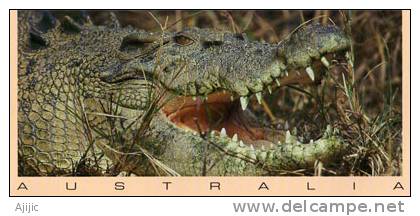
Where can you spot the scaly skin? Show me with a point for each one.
(84, 91)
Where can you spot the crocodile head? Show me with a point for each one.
(211, 76)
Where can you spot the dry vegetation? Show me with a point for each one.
(363, 101)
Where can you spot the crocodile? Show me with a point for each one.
(102, 99)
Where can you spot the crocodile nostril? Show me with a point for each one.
(241, 36)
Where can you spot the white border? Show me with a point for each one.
(186, 206)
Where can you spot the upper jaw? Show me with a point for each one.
(293, 61)
(251, 73)
(286, 76)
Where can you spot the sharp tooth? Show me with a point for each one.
(269, 89)
(325, 62)
(241, 144)
(252, 147)
(235, 138)
(212, 133)
(206, 98)
(310, 73)
(286, 72)
(286, 125)
(288, 137)
(231, 98)
(263, 148)
(278, 82)
(223, 132)
(259, 97)
(244, 102)
(311, 142)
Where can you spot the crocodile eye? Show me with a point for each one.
(136, 42)
(183, 40)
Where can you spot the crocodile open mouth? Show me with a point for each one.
(226, 113)
(216, 113)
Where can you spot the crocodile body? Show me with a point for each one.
(88, 96)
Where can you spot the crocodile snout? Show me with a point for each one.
(310, 43)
